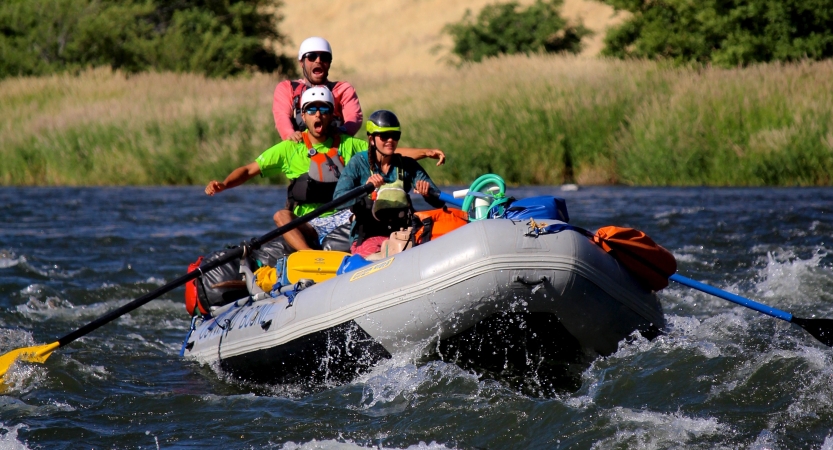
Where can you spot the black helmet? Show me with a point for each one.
(381, 121)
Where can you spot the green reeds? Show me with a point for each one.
(533, 120)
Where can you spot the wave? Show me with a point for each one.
(649, 430)
(348, 444)
(9, 438)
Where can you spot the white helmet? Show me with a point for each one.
(317, 94)
(314, 44)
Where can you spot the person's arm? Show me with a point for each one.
(420, 153)
(351, 109)
(237, 177)
(350, 178)
(282, 111)
(423, 185)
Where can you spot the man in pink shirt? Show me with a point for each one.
(315, 57)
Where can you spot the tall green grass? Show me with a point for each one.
(104, 128)
(533, 120)
(765, 125)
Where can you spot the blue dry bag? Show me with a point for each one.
(542, 207)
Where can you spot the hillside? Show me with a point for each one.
(395, 37)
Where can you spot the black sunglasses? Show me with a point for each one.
(316, 108)
(395, 135)
(313, 56)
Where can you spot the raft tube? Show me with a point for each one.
(489, 295)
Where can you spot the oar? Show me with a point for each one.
(821, 329)
(448, 198)
(39, 353)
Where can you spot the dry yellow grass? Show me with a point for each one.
(523, 117)
(396, 37)
(37, 106)
(40, 106)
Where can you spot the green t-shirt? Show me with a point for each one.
(291, 159)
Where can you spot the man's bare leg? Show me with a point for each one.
(295, 238)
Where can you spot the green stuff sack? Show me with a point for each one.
(390, 196)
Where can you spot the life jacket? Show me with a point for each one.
(319, 184)
(386, 210)
(298, 89)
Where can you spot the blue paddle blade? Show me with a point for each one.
(821, 329)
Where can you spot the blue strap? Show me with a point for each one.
(191, 329)
(290, 297)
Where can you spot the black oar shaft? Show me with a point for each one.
(152, 295)
(228, 257)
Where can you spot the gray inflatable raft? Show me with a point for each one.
(489, 296)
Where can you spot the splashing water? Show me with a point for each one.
(721, 376)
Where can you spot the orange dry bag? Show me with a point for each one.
(647, 261)
(443, 220)
(192, 301)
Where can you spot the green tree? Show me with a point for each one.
(214, 37)
(504, 29)
(723, 32)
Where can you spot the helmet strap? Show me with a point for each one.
(371, 154)
(304, 72)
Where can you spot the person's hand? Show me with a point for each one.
(437, 154)
(422, 187)
(376, 180)
(297, 136)
(214, 187)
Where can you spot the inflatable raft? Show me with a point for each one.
(493, 295)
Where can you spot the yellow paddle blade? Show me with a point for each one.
(35, 354)
(316, 265)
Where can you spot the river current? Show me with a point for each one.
(721, 376)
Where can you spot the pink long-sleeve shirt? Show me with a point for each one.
(344, 94)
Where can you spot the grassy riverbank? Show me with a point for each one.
(540, 120)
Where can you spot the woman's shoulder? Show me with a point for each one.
(359, 160)
(408, 163)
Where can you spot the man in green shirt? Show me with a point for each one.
(313, 167)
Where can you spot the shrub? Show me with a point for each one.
(217, 38)
(723, 32)
(503, 29)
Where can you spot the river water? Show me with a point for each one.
(721, 376)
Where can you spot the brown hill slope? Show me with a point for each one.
(396, 37)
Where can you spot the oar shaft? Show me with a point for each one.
(350, 195)
(450, 199)
(228, 257)
(158, 292)
(760, 307)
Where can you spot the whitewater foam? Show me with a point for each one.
(9, 438)
(351, 445)
(652, 430)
